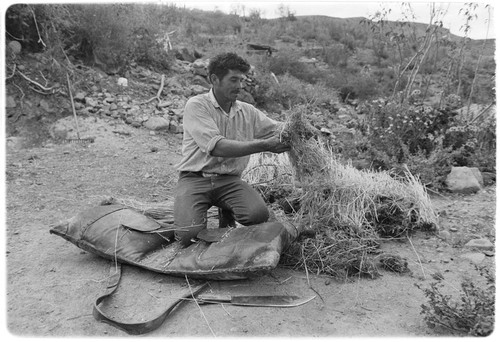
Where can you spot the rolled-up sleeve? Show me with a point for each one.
(201, 126)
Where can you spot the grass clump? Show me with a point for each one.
(348, 210)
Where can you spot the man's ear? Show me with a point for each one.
(214, 79)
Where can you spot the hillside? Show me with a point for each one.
(125, 92)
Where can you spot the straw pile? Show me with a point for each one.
(349, 210)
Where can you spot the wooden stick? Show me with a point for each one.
(73, 106)
(198, 305)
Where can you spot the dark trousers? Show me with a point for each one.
(195, 194)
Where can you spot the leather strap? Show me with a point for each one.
(135, 328)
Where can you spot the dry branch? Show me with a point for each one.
(157, 97)
(36, 83)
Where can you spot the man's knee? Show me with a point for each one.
(254, 215)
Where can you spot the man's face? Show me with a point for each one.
(228, 88)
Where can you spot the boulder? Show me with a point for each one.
(156, 123)
(464, 180)
(483, 244)
(15, 47)
(10, 102)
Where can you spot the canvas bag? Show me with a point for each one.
(119, 233)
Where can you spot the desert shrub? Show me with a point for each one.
(337, 55)
(402, 129)
(287, 62)
(472, 314)
(291, 92)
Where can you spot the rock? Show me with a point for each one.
(475, 258)
(464, 180)
(480, 244)
(198, 89)
(10, 102)
(91, 102)
(179, 112)
(46, 106)
(122, 81)
(15, 47)
(175, 127)
(445, 235)
(15, 143)
(202, 81)
(80, 96)
(156, 123)
(246, 97)
(164, 104)
(478, 175)
(185, 55)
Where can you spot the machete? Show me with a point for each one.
(280, 301)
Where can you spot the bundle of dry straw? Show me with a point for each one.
(347, 207)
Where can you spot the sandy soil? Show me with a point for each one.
(51, 284)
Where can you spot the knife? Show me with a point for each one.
(279, 301)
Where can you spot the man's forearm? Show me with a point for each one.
(233, 148)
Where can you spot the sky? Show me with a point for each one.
(482, 27)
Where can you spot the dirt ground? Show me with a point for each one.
(51, 285)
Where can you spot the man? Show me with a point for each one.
(220, 134)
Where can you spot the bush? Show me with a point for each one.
(473, 314)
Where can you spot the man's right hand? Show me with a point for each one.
(275, 145)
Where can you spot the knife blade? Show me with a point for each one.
(281, 301)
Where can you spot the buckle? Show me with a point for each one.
(208, 174)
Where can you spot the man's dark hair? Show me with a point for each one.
(222, 63)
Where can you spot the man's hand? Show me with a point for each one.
(275, 145)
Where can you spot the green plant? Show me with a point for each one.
(473, 313)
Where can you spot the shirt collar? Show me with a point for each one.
(234, 108)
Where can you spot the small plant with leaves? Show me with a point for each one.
(473, 314)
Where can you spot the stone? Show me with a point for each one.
(463, 180)
(475, 258)
(79, 96)
(10, 102)
(156, 123)
(46, 106)
(198, 89)
(202, 81)
(15, 143)
(480, 244)
(15, 47)
(445, 235)
(122, 81)
(91, 102)
(164, 104)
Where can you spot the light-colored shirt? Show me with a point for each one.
(205, 123)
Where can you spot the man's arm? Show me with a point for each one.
(233, 148)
